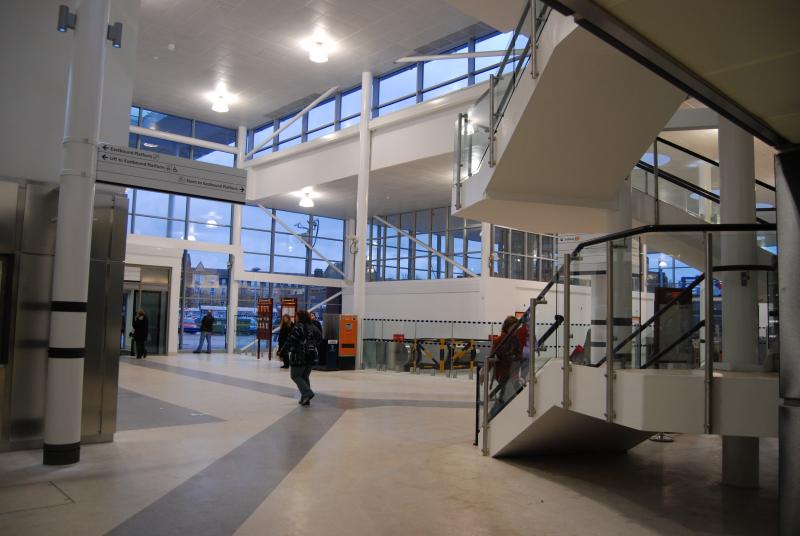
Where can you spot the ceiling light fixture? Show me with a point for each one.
(318, 52)
(220, 98)
(306, 201)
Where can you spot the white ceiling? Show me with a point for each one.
(255, 47)
(415, 185)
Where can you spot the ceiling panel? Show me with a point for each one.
(255, 47)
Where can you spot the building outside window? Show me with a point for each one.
(205, 288)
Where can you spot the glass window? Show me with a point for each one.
(319, 133)
(133, 141)
(134, 115)
(329, 227)
(438, 71)
(259, 135)
(351, 103)
(255, 218)
(210, 212)
(166, 123)
(350, 122)
(143, 225)
(294, 220)
(398, 85)
(157, 145)
(206, 277)
(289, 265)
(332, 249)
(286, 244)
(292, 132)
(152, 203)
(211, 156)
(255, 241)
(255, 263)
(208, 232)
(494, 43)
(397, 106)
(321, 115)
(215, 133)
(455, 86)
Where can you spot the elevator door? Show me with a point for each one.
(151, 294)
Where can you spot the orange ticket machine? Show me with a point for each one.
(348, 338)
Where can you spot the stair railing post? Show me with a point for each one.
(709, 314)
(485, 426)
(459, 164)
(610, 331)
(655, 179)
(565, 367)
(533, 344)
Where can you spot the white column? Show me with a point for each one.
(737, 205)
(739, 293)
(362, 200)
(236, 258)
(349, 258)
(62, 431)
(486, 271)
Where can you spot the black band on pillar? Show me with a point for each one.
(66, 353)
(62, 454)
(68, 306)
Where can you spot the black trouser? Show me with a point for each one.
(301, 376)
(141, 349)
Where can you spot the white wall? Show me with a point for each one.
(34, 60)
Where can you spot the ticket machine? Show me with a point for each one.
(348, 338)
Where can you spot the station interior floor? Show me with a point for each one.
(216, 445)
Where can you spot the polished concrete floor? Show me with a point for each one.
(217, 445)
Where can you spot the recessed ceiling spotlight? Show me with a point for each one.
(171, 46)
(306, 196)
(306, 201)
(220, 98)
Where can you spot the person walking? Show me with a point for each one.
(507, 350)
(283, 334)
(140, 331)
(302, 348)
(206, 328)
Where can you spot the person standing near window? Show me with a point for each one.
(302, 348)
(206, 328)
(283, 334)
(140, 332)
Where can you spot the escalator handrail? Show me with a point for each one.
(676, 228)
(557, 321)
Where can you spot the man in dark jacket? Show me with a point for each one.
(303, 349)
(206, 327)
(140, 331)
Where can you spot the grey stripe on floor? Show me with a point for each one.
(288, 392)
(218, 499)
(136, 411)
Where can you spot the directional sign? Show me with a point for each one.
(153, 171)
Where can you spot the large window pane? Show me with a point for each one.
(398, 85)
(206, 289)
(210, 212)
(438, 71)
(289, 265)
(350, 122)
(171, 148)
(296, 221)
(143, 225)
(134, 115)
(256, 263)
(255, 218)
(320, 268)
(321, 115)
(319, 133)
(166, 123)
(332, 249)
(351, 103)
(152, 203)
(203, 232)
(397, 106)
(210, 156)
(495, 43)
(329, 227)
(432, 94)
(215, 133)
(259, 135)
(286, 244)
(255, 241)
(293, 131)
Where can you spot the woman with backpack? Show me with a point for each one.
(302, 347)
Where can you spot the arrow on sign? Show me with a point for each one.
(105, 147)
(104, 157)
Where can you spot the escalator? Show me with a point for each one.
(667, 372)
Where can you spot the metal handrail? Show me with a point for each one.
(677, 228)
(517, 32)
(679, 340)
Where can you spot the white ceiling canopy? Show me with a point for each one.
(256, 47)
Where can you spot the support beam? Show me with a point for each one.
(236, 259)
(427, 247)
(63, 410)
(362, 209)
